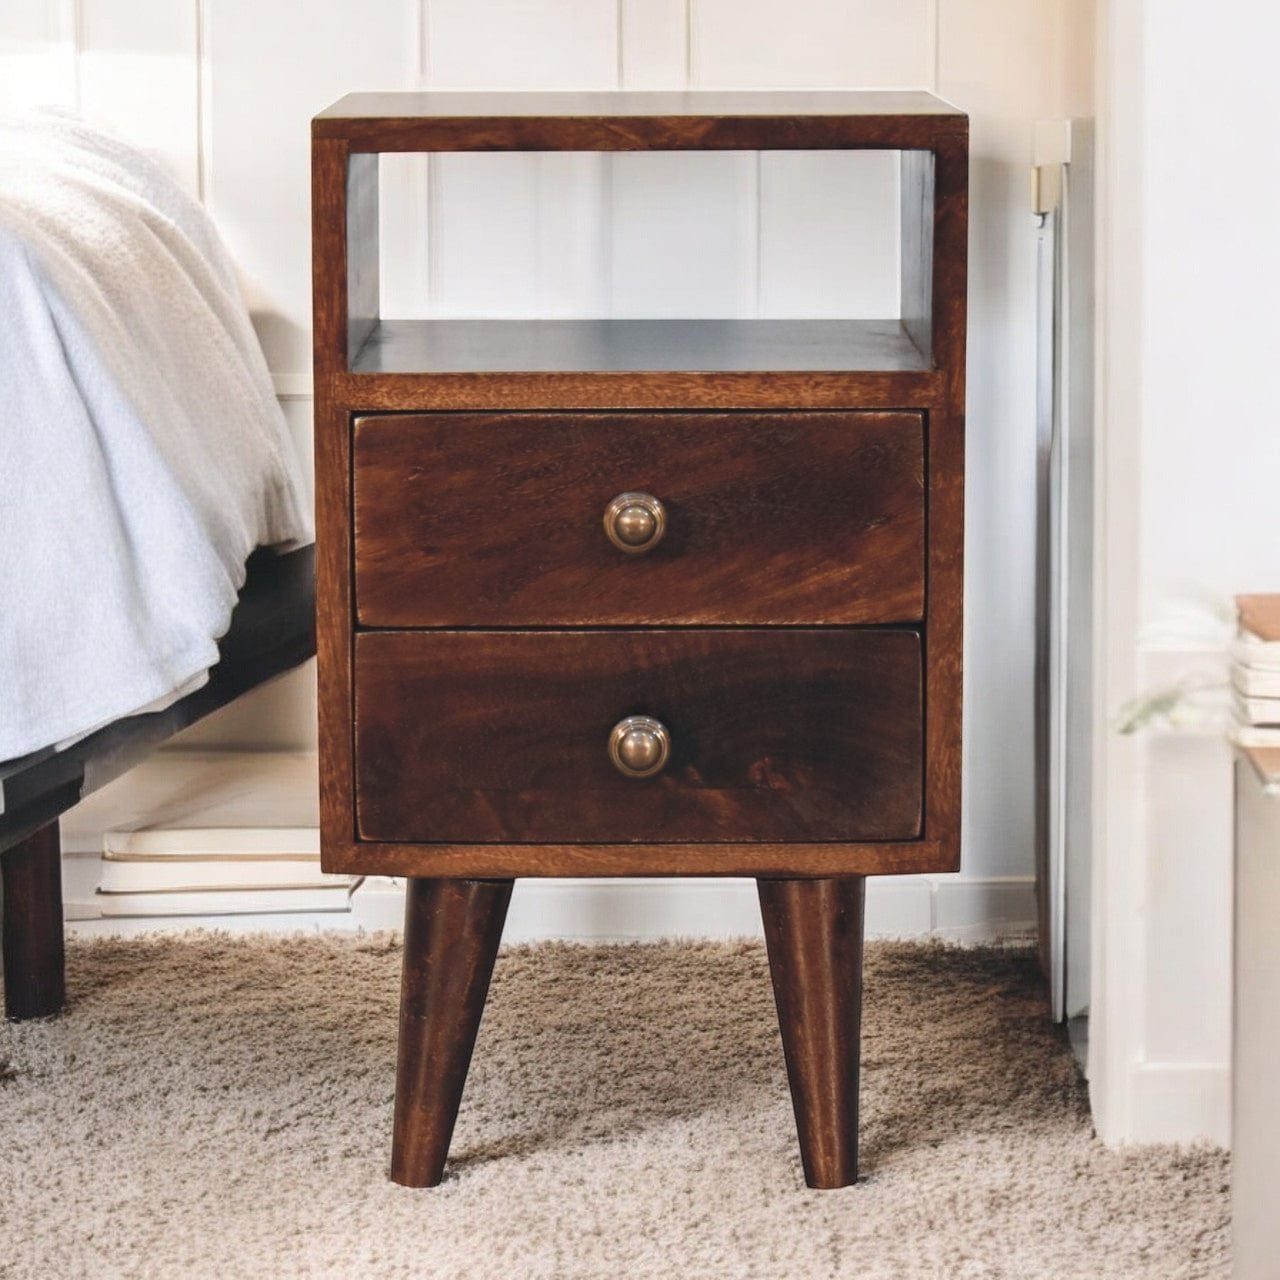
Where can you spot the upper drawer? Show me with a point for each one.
(500, 519)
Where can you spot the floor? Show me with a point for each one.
(221, 1106)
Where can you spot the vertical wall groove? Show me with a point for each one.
(619, 71)
(203, 114)
(757, 246)
(432, 217)
(935, 38)
(70, 18)
(419, 28)
(688, 44)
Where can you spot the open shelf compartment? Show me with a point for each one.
(480, 246)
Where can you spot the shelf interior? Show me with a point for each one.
(638, 346)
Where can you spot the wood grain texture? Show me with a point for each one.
(468, 520)
(672, 389)
(638, 121)
(506, 861)
(639, 346)
(451, 933)
(334, 603)
(501, 736)
(31, 926)
(814, 931)
(938, 392)
(944, 629)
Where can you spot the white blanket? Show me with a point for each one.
(143, 455)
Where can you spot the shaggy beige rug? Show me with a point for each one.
(215, 1106)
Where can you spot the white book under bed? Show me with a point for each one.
(216, 871)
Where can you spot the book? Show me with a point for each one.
(230, 902)
(1254, 735)
(231, 843)
(216, 871)
(1252, 654)
(1256, 682)
(1255, 672)
(188, 874)
(1256, 711)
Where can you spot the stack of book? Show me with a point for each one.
(1255, 672)
(206, 873)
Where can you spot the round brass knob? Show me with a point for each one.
(635, 522)
(639, 746)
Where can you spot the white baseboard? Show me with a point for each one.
(646, 910)
(949, 908)
(897, 907)
(1181, 1102)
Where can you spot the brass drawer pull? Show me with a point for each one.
(639, 746)
(635, 522)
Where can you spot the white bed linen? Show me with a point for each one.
(143, 454)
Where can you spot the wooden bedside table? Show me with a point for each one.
(639, 597)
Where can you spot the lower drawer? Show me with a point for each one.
(518, 737)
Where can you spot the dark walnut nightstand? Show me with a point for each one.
(639, 597)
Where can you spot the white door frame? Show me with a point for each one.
(1118, 970)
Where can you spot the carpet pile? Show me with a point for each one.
(221, 1106)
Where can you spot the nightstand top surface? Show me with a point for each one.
(702, 120)
(695, 104)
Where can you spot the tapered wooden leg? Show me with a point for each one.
(813, 930)
(451, 933)
(31, 928)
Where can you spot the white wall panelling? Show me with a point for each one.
(135, 58)
(653, 44)
(641, 234)
(223, 89)
(513, 235)
(522, 44)
(483, 228)
(38, 53)
(266, 69)
(829, 233)
(684, 233)
(770, 44)
(404, 235)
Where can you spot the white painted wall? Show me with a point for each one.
(1190, 460)
(223, 89)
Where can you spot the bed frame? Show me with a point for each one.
(272, 630)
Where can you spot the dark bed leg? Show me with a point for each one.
(31, 926)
